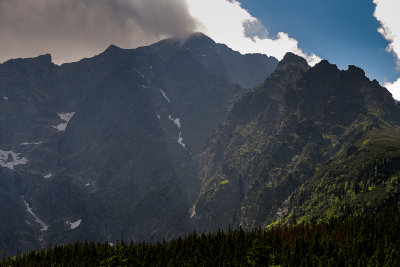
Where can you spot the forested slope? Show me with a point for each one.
(361, 240)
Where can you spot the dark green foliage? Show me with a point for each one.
(360, 240)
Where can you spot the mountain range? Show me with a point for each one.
(153, 142)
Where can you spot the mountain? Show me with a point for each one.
(103, 148)
(151, 143)
(308, 144)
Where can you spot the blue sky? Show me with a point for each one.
(365, 33)
(342, 31)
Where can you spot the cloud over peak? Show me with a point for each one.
(227, 22)
(73, 29)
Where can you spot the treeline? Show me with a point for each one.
(363, 240)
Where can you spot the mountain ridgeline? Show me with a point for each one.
(153, 142)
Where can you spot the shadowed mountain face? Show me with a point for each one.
(246, 70)
(103, 148)
(309, 143)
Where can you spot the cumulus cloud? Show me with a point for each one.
(227, 22)
(387, 13)
(73, 29)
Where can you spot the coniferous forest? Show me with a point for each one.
(371, 239)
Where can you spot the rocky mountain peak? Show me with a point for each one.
(293, 59)
(112, 50)
(325, 66)
(199, 39)
(44, 58)
(356, 70)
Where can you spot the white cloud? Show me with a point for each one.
(387, 13)
(394, 88)
(227, 22)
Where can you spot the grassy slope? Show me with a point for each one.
(361, 177)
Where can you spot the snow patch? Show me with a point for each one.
(36, 218)
(65, 117)
(30, 143)
(192, 211)
(74, 225)
(47, 176)
(165, 95)
(176, 121)
(158, 116)
(144, 86)
(180, 139)
(9, 159)
(5, 97)
(138, 72)
(86, 185)
(61, 127)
